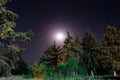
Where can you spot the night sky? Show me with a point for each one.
(45, 17)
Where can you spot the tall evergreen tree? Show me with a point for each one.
(76, 46)
(51, 55)
(10, 41)
(89, 57)
(109, 54)
(67, 49)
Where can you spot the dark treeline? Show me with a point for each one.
(82, 57)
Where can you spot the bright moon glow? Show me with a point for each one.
(60, 36)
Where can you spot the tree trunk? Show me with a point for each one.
(114, 73)
(92, 73)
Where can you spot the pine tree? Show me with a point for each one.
(89, 56)
(76, 46)
(10, 40)
(51, 55)
(109, 53)
(67, 49)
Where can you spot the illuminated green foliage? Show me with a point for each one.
(10, 41)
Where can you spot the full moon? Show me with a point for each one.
(60, 36)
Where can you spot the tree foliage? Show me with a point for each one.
(89, 57)
(67, 49)
(84, 57)
(51, 55)
(10, 41)
(109, 54)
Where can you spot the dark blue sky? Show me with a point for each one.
(75, 16)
